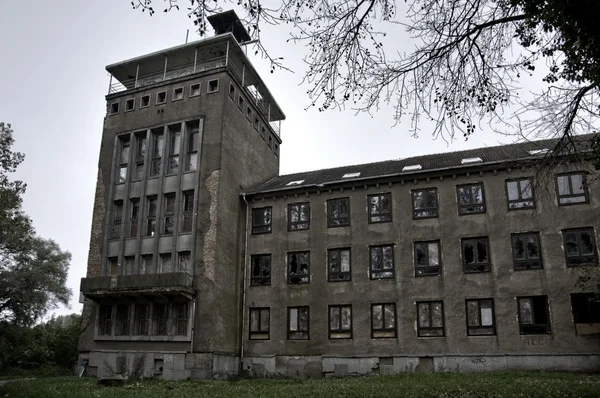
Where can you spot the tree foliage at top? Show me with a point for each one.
(33, 271)
(469, 61)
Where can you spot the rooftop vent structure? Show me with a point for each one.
(228, 21)
(471, 160)
(351, 175)
(412, 167)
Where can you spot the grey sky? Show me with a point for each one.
(53, 86)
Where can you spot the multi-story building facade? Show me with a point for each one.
(204, 262)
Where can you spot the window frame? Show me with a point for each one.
(168, 215)
(134, 217)
(581, 259)
(208, 84)
(232, 91)
(260, 334)
(330, 219)
(372, 272)
(180, 315)
(307, 331)
(113, 108)
(123, 143)
(159, 322)
(122, 322)
(158, 95)
(436, 209)
(174, 94)
(340, 333)
(254, 280)
(547, 326)
(380, 214)
(526, 264)
(150, 218)
(461, 207)
(117, 219)
(175, 134)
(384, 332)
(193, 87)
(520, 199)
(187, 214)
(346, 276)
(141, 322)
(428, 266)
(487, 265)
(298, 274)
(157, 153)
(479, 320)
(105, 322)
(591, 316)
(293, 225)
(433, 328)
(191, 129)
(265, 227)
(149, 97)
(132, 102)
(141, 148)
(571, 195)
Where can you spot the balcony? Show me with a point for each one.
(147, 286)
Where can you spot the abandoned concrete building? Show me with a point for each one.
(204, 262)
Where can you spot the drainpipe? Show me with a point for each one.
(244, 285)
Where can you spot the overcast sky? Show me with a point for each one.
(53, 83)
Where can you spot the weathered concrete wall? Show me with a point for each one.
(503, 283)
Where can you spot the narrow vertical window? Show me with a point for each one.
(184, 262)
(158, 144)
(134, 217)
(259, 323)
(526, 251)
(533, 315)
(261, 220)
(168, 214)
(475, 255)
(430, 319)
(298, 267)
(380, 208)
(123, 159)
(340, 321)
(298, 216)
(140, 155)
(188, 211)
(382, 261)
(180, 318)
(113, 266)
(117, 219)
(571, 189)
(298, 323)
(129, 265)
(193, 131)
(231, 91)
(174, 148)
(160, 319)
(520, 193)
(152, 204)
(105, 320)
(480, 317)
(427, 258)
(261, 269)
(141, 320)
(338, 265)
(425, 203)
(383, 320)
(146, 266)
(165, 265)
(470, 199)
(338, 212)
(122, 328)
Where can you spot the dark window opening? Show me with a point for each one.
(298, 216)
(382, 261)
(134, 218)
(174, 148)
(380, 208)
(114, 108)
(520, 194)
(122, 327)
(177, 94)
(298, 268)
(470, 199)
(105, 320)
(338, 265)
(261, 220)
(580, 247)
(180, 318)
(117, 219)
(158, 143)
(476, 255)
(231, 91)
(213, 86)
(129, 104)
(261, 270)
(259, 323)
(383, 320)
(298, 323)
(192, 144)
(533, 315)
(195, 90)
(340, 321)
(188, 211)
(141, 320)
(480, 317)
(586, 308)
(430, 319)
(160, 319)
(161, 97)
(425, 203)
(427, 258)
(526, 251)
(241, 103)
(152, 204)
(338, 212)
(145, 101)
(140, 155)
(168, 214)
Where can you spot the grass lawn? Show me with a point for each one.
(442, 385)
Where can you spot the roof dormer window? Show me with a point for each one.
(471, 160)
(351, 175)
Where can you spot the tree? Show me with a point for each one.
(470, 60)
(33, 271)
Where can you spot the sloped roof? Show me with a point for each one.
(429, 163)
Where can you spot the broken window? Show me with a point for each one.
(383, 320)
(470, 199)
(184, 262)
(298, 323)
(161, 97)
(533, 315)
(259, 323)
(180, 318)
(152, 205)
(165, 265)
(158, 143)
(261, 270)
(261, 220)
(298, 216)
(123, 159)
(134, 217)
(160, 319)
(480, 317)
(105, 320)
(580, 247)
(174, 148)
(340, 321)
(168, 214)
(195, 90)
(114, 108)
(476, 256)
(526, 251)
(338, 212)
(141, 319)
(140, 155)
(122, 327)
(177, 94)
(382, 261)
(427, 258)
(117, 219)
(571, 189)
(430, 319)
(424, 202)
(113, 266)
(129, 104)
(213, 86)
(188, 211)
(298, 267)
(520, 193)
(145, 101)
(193, 135)
(146, 264)
(380, 208)
(338, 265)
(586, 311)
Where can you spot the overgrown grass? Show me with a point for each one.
(438, 385)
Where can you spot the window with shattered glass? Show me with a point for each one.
(383, 320)
(425, 203)
(298, 216)
(475, 255)
(382, 261)
(427, 258)
(580, 247)
(430, 319)
(340, 321)
(338, 212)
(534, 317)
(298, 267)
(526, 251)
(298, 323)
(260, 272)
(480, 317)
(338, 265)
(261, 220)
(470, 199)
(380, 207)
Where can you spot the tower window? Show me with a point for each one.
(114, 108)
(213, 86)
(231, 90)
(178, 94)
(129, 104)
(145, 101)
(195, 90)
(161, 97)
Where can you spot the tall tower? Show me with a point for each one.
(187, 130)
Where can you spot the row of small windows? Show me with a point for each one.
(146, 264)
(161, 97)
(571, 189)
(143, 319)
(580, 249)
(533, 315)
(175, 151)
(153, 222)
